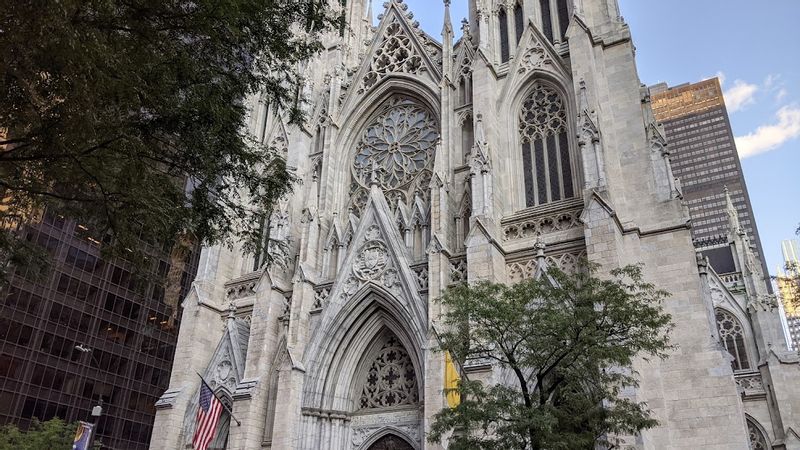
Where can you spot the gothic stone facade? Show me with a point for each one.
(425, 164)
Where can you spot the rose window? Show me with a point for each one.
(397, 149)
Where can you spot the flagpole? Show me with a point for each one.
(203, 380)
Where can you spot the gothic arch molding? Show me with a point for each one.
(386, 431)
(338, 346)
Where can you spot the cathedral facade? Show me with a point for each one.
(528, 142)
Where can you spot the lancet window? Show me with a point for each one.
(555, 19)
(519, 21)
(546, 156)
(731, 333)
(390, 379)
(505, 48)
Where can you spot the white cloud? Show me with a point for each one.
(768, 137)
(782, 93)
(721, 76)
(740, 95)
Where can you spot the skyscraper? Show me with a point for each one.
(704, 159)
(90, 330)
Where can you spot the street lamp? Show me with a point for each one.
(97, 411)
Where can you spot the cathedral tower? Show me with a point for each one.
(427, 163)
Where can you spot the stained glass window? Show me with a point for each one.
(543, 131)
(396, 148)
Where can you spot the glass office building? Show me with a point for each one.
(704, 159)
(90, 330)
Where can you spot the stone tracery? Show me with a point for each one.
(546, 160)
(391, 379)
(399, 143)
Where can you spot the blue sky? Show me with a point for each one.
(754, 49)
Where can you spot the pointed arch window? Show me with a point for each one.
(731, 333)
(519, 21)
(546, 157)
(505, 49)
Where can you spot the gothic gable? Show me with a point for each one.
(226, 367)
(465, 54)
(399, 47)
(378, 259)
(535, 54)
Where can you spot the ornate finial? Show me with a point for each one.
(539, 246)
(465, 29)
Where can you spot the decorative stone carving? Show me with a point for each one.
(542, 113)
(761, 302)
(371, 261)
(535, 57)
(421, 276)
(750, 384)
(397, 53)
(532, 226)
(321, 294)
(757, 439)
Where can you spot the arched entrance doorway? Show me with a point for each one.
(391, 442)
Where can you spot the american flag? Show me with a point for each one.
(208, 414)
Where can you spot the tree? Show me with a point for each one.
(565, 344)
(52, 434)
(131, 115)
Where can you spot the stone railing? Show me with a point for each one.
(750, 384)
(731, 278)
(542, 220)
(241, 287)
